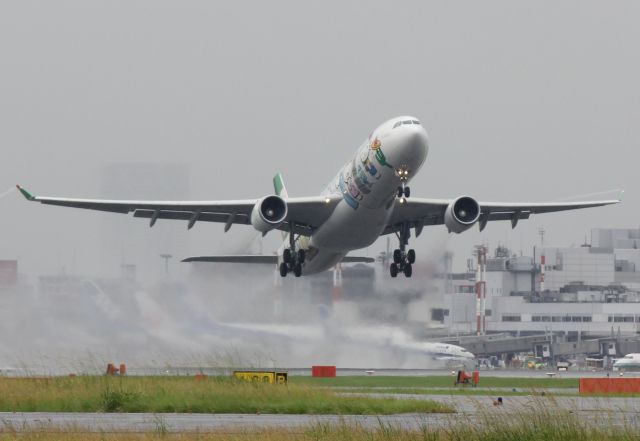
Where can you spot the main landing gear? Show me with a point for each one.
(402, 259)
(292, 260)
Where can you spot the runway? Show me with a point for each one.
(605, 412)
(147, 422)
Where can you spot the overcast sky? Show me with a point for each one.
(523, 101)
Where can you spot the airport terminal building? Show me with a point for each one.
(579, 292)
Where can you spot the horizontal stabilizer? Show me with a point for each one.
(356, 259)
(247, 258)
(257, 258)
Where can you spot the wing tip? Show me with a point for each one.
(28, 196)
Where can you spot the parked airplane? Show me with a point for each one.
(369, 197)
(628, 362)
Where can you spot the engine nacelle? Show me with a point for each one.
(461, 214)
(268, 213)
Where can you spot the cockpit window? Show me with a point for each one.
(406, 122)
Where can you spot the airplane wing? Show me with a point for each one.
(357, 259)
(234, 258)
(307, 213)
(421, 212)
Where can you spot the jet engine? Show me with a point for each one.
(461, 214)
(268, 213)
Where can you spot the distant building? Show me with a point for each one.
(592, 290)
(8, 273)
(612, 258)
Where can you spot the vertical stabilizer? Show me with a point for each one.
(278, 186)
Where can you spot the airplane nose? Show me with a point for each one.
(414, 146)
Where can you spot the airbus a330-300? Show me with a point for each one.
(369, 197)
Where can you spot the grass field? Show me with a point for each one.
(458, 391)
(441, 381)
(185, 394)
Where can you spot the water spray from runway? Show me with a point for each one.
(219, 316)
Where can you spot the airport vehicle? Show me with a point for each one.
(628, 362)
(369, 197)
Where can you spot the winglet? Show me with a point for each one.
(28, 196)
(621, 195)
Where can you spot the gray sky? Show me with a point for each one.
(523, 101)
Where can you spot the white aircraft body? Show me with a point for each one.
(369, 197)
(628, 362)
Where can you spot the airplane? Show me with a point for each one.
(390, 338)
(629, 362)
(369, 197)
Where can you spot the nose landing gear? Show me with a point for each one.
(402, 259)
(403, 190)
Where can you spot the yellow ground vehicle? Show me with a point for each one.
(271, 377)
(535, 363)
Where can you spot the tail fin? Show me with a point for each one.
(278, 186)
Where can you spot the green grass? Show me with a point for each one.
(456, 391)
(440, 381)
(185, 394)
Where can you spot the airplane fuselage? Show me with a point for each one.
(628, 362)
(368, 185)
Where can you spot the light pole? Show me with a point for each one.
(166, 258)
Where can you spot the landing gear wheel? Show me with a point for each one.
(403, 259)
(286, 256)
(283, 269)
(407, 192)
(400, 192)
(301, 256)
(297, 270)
